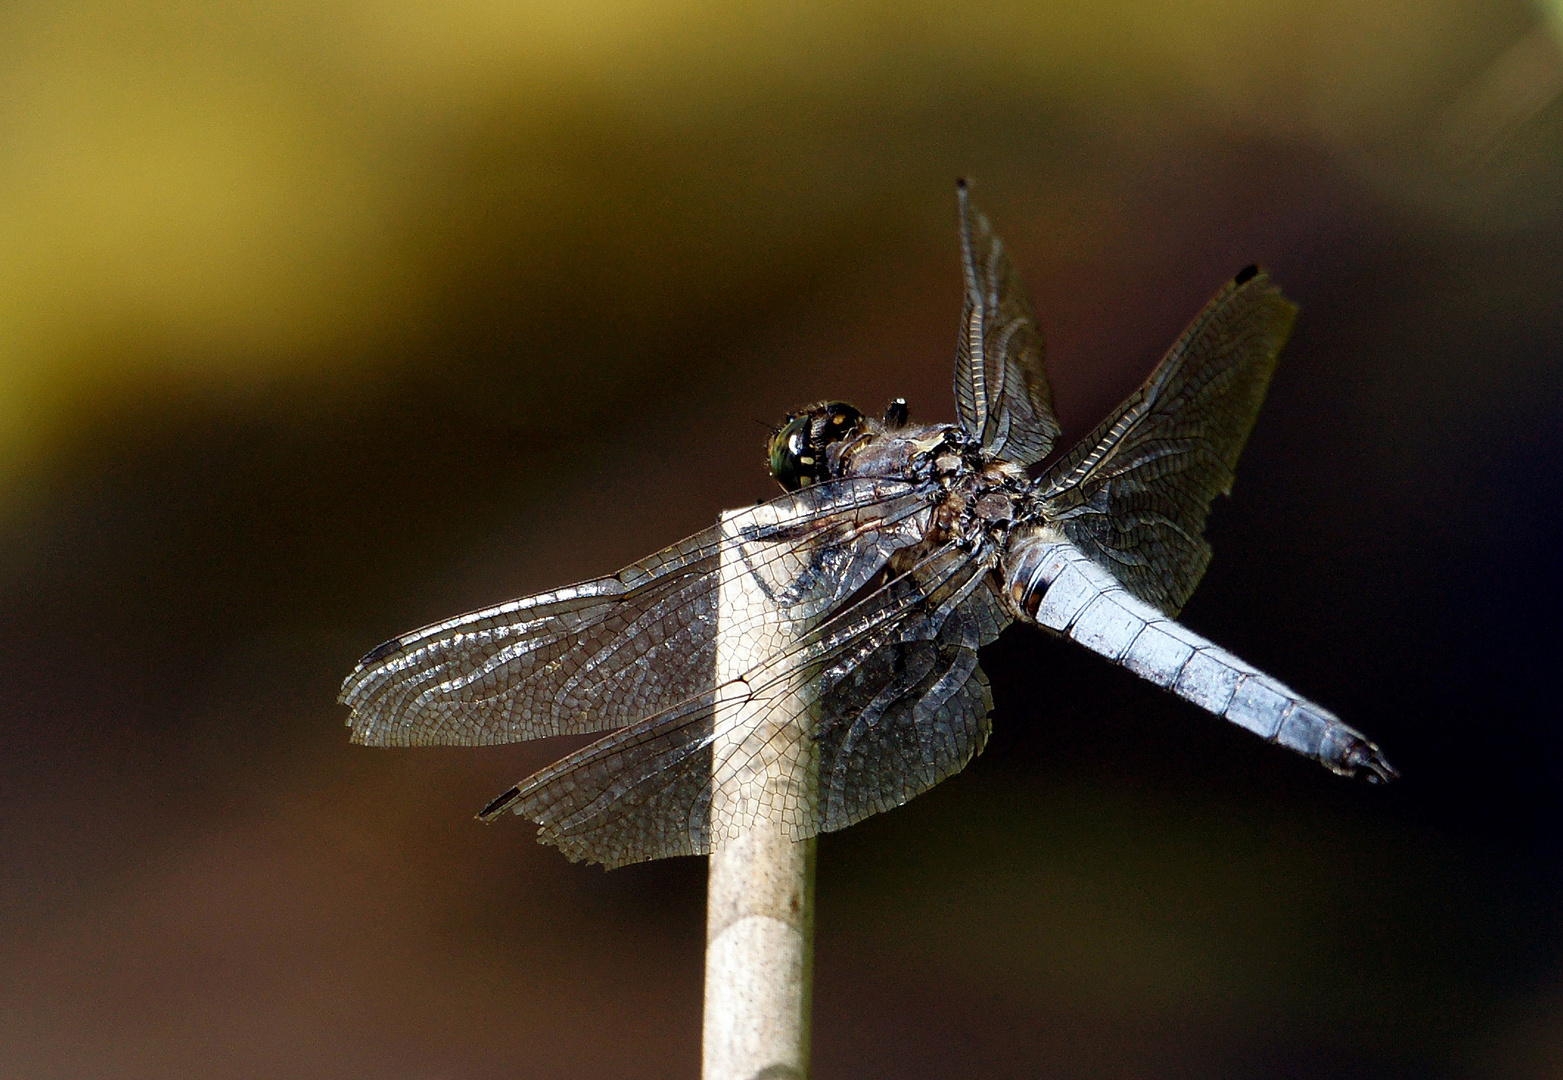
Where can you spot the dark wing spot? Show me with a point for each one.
(497, 807)
(1247, 274)
(380, 652)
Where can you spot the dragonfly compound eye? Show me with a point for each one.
(798, 451)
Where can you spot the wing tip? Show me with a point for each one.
(353, 684)
(1257, 277)
(379, 652)
(500, 805)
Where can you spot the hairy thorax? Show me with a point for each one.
(975, 499)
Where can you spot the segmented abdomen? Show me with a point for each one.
(1051, 582)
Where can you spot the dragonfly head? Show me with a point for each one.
(799, 451)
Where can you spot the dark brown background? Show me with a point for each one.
(324, 320)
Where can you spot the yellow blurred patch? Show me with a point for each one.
(198, 197)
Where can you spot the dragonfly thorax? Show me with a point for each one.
(981, 497)
(973, 495)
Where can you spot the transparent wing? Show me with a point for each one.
(1001, 389)
(913, 713)
(1135, 493)
(605, 653)
(885, 697)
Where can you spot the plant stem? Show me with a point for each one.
(760, 896)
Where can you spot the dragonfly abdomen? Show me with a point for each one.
(1054, 584)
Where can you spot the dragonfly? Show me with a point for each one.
(896, 551)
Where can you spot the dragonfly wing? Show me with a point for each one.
(602, 654)
(1001, 388)
(646, 792)
(1135, 493)
(912, 714)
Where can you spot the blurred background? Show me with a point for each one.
(319, 321)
